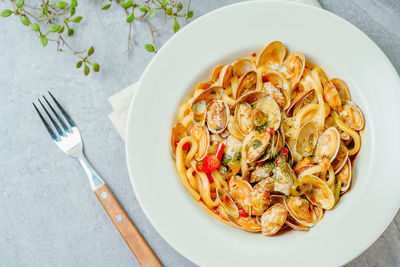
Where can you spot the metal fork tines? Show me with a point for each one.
(65, 134)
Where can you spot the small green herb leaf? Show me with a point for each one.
(70, 31)
(72, 11)
(61, 30)
(176, 25)
(24, 20)
(61, 4)
(179, 7)
(149, 47)
(143, 9)
(35, 27)
(6, 13)
(45, 11)
(86, 70)
(168, 11)
(106, 7)
(19, 3)
(127, 4)
(190, 14)
(73, 3)
(43, 41)
(77, 19)
(152, 13)
(54, 28)
(79, 64)
(96, 67)
(90, 51)
(130, 18)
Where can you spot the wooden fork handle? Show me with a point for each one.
(128, 231)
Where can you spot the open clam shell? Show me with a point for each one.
(352, 116)
(217, 116)
(242, 66)
(301, 210)
(248, 224)
(270, 108)
(255, 145)
(318, 193)
(216, 72)
(240, 191)
(341, 158)
(247, 83)
(243, 118)
(342, 89)
(280, 96)
(273, 219)
(292, 223)
(272, 55)
(328, 144)
(276, 78)
(259, 200)
(200, 133)
(345, 176)
(225, 76)
(331, 96)
(295, 64)
(302, 99)
(227, 203)
(307, 138)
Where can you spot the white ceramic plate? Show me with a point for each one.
(219, 37)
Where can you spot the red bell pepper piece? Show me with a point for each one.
(242, 213)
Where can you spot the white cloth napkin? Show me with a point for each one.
(121, 100)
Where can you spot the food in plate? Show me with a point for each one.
(268, 143)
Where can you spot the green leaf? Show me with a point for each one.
(127, 4)
(73, 3)
(143, 9)
(190, 14)
(152, 13)
(86, 70)
(43, 41)
(77, 19)
(179, 7)
(165, 2)
(72, 11)
(176, 26)
(61, 4)
(6, 13)
(35, 27)
(19, 3)
(79, 64)
(70, 31)
(90, 51)
(96, 67)
(54, 28)
(130, 18)
(24, 20)
(45, 11)
(106, 7)
(149, 47)
(61, 30)
(168, 11)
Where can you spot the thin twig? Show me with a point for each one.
(151, 31)
(187, 10)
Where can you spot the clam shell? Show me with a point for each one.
(246, 83)
(352, 116)
(273, 219)
(331, 96)
(271, 109)
(328, 144)
(217, 116)
(200, 133)
(307, 138)
(319, 193)
(227, 203)
(242, 66)
(273, 54)
(301, 210)
(345, 176)
(342, 89)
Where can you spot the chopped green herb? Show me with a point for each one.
(246, 147)
(225, 159)
(237, 156)
(256, 143)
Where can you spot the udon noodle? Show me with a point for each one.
(268, 142)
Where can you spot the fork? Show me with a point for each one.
(68, 139)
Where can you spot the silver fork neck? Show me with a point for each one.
(94, 178)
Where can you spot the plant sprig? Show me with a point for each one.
(55, 22)
(52, 22)
(145, 10)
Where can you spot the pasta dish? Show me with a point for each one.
(268, 143)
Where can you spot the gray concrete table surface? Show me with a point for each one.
(48, 214)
